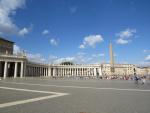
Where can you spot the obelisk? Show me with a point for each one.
(111, 59)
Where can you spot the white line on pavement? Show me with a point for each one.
(55, 94)
(80, 87)
(28, 90)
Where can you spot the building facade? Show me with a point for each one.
(6, 46)
(119, 69)
(18, 66)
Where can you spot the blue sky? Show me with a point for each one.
(78, 30)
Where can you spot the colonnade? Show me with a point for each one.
(12, 69)
(63, 71)
(75, 71)
(27, 69)
(36, 71)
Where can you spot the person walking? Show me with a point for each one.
(143, 80)
(136, 79)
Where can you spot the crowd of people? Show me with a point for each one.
(137, 79)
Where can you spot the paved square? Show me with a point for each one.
(90, 96)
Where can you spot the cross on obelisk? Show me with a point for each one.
(112, 69)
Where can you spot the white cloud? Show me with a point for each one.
(23, 31)
(144, 63)
(98, 55)
(60, 60)
(147, 58)
(125, 36)
(57, 60)
(16, 49)
(53, 42)
(79, 58)
(127, 33)
(101, 54)
(91, 41)
(36, 58)
(45, 32)
(122, 41)
(82, 46)
(7, 9)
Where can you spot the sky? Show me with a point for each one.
(53, 31)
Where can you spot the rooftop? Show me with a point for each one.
(6, 40)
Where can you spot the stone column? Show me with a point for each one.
(36, 71)
(43, 71)
(61, 72)
(64, 71)
(49, 71)
(21, 71)
(76, 71)
(15, 72)
(28, 70)
(5, 70)
(32, 71)
(40, 71)
(25, 68)
(46, 71)
(54, 72)
(89, 71)
(69, 71)
(94, 71)
(57, 72)
(100, 72)
(72, 71)
(82, 71)
(86, 71)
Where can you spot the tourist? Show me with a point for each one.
(136, 79)
(143, 80)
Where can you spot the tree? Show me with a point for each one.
(67, 63)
